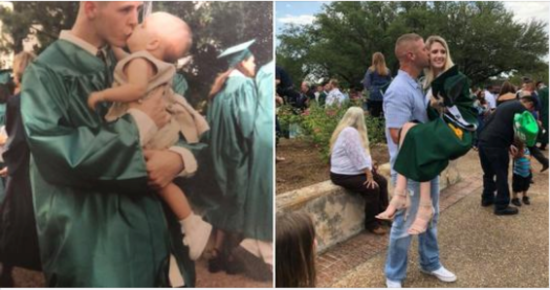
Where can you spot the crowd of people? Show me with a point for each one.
(105, 157)
(432, 115)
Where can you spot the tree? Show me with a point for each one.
(483, 38)
(44, 19)
(215, 26)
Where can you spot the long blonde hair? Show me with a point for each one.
(379, 64)
(429, 73)
(354, 117)
(20, 62)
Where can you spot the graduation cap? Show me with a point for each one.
(237, 53)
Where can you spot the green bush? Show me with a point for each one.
(318, 124)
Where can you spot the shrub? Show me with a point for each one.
(318, 124)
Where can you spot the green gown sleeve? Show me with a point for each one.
(71, 145)
(245, 105)
(259, 203)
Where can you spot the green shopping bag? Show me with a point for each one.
(526, 128)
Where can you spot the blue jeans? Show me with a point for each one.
(400, 240)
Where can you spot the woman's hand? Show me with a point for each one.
(370, 183)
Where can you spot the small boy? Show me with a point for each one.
(521, 179)
(155, 45)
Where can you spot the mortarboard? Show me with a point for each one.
(237, 53)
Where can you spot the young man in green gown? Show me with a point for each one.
(99, 220)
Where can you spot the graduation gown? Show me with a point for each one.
(18, 240)
(543, 96)
(98, 222)
(428, 147)
(259, 203)
(231, 115)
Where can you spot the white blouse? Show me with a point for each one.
(348, 155)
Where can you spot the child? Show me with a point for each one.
(295, 251)
(155, 45)
(522, 172)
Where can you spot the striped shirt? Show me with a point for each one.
(522, 165)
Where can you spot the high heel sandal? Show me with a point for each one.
(422, 220)
(400, 200)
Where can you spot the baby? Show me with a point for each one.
(155, 45)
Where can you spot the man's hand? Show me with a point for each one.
(155, 107)
(162, 167)
(4, 172)
(513, 150)
(3, 139)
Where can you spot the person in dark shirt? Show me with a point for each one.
(285, 87)
(495, 140)
(283, 79)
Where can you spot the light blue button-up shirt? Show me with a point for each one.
(404, 101)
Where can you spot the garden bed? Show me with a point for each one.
(305, 166)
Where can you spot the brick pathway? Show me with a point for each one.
(340, 259)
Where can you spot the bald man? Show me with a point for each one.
(404, 102)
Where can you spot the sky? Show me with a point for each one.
(287, 12)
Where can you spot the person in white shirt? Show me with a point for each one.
(335, 96)
(351, 166)
(490, 98)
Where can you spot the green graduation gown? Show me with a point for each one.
(259, 204)
(231, 115)
(428, 147)
(543, 96)
(98, 223)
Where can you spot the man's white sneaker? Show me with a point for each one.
(442, 274)
(393, 284)
(196, 237)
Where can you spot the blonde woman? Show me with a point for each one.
(351, 166)
(425, 149)
(18, 239)
(377, 76)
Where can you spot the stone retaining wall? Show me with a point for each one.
(338, 214)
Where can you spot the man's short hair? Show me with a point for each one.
(405, 38)
(334, 82)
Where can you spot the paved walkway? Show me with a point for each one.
(205, 279)
(484, 250)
